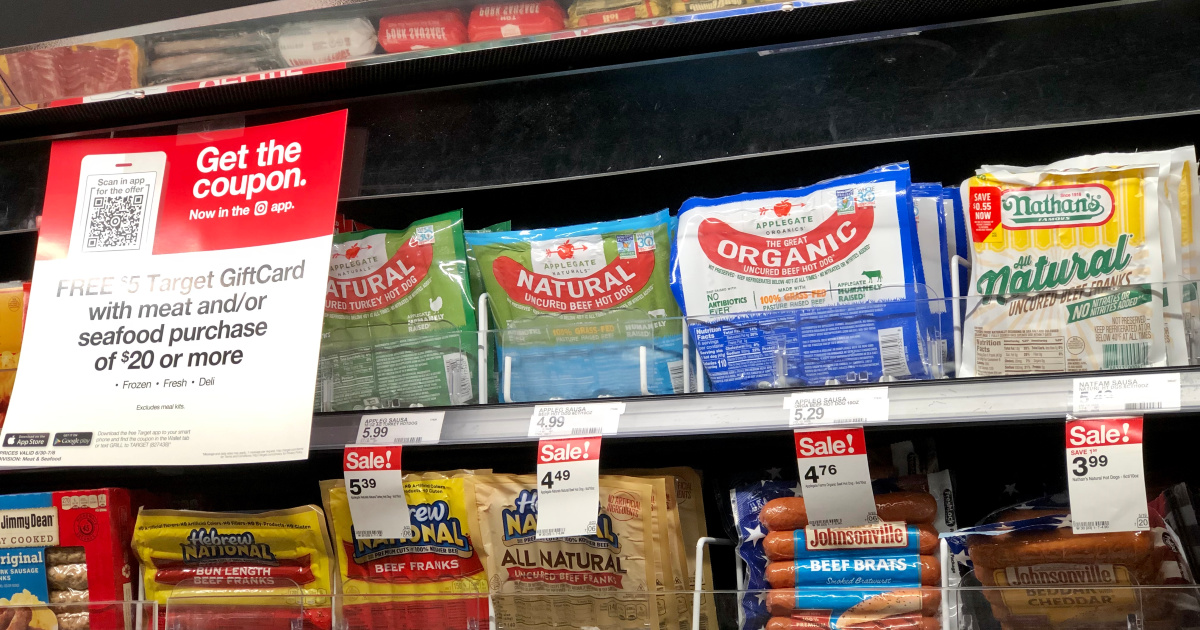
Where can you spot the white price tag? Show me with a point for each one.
(375, 489)
(1105, 476)
(422, 427)
(568, 472)
(834, 477)
(851, 406)
(1130, 393)
(575, 419)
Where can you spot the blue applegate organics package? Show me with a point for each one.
(931, 236)
(578, 306)
(805, 286)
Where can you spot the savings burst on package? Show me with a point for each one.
(173, 286)
(831, 268)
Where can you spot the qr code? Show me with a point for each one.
(116, 222)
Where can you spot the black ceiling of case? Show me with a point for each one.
(699, 37)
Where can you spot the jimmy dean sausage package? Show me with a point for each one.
(578, 306)
(1066, 267)
(606, 580)
(805, 286)
(265, 559)
(399, 321)
(65, 548)
(438, 561)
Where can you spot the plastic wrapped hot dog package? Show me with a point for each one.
(1047, 576)
(800, 576)
(806, 286)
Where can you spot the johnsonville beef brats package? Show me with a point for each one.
(62, 554)
(399, 320)
(579, 308)
(603, 581)
(1046, 576)
(805, 286)
(267, 561)
(438, 561)
(1067, 271)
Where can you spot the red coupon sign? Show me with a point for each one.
(1105, 475)
(568, 471)
(834, 477)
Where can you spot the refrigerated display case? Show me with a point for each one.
(548, 126)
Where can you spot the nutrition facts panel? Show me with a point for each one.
(998, 354)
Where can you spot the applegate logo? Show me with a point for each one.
(209, 545)
(433, 531)
(1079, 205)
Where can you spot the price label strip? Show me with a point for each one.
(568, 472)
(1124, 394)
(834, 477)
(852, 406)
(423, 427)
(1105, 476)
(575, 419)
(375, 489)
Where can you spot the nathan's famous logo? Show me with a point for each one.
(433, 530)
(1025, 275)
(1077, 205)
(209, 545)
(520, 521)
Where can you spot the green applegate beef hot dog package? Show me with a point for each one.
(399, 321)
(477, 289)
(575, 306)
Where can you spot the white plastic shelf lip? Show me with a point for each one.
(916, 403)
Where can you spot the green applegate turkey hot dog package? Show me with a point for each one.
(578, 306)
(399, 320)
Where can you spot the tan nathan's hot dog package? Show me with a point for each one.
(60, 551)
(439, 561)
(606, 579)
(1049, 577)
(269, 560)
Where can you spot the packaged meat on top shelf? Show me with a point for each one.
(76, 577)
(806, 286)
(1077, 580)
(209, 53)
(41, 76)
(1103, 231)
(399, 319)
(583, 13)
(428, 29)
(578, 309)
(326, 41)
(513, 19)
(12, 315)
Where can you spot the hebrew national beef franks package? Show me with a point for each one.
(579, 307)
(265, 560)
(1067, 269)
(805, 286)
(606, 580)
(438, 561)
(399, 321)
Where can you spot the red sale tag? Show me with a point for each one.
(375, 489)
(834, 477)
(1105, 475)
(983, 212)
(568, 471)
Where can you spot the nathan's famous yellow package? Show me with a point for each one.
(664, 574)
(267, 560)
(602, 581)
(436, 573)
(1068, 270)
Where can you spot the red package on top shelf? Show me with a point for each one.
(428, 29)
(512, 19)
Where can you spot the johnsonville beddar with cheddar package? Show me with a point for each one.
(399, 320)
(65, 561)
(1067, 270)
(581, 308)
(806, 286)
(438, 561)
(606, 580)
(269, 561)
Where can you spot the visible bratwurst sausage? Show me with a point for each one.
(819, 572)
(903, 601)
(782, 545)
(801, 621)
(787, 513)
